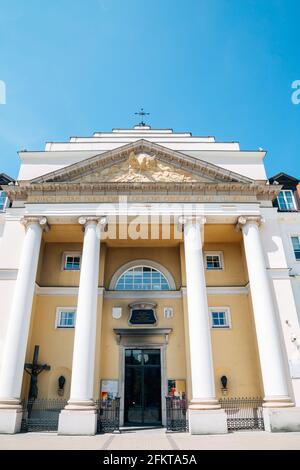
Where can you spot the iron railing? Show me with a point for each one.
(41, 414)
(176, 409)
(243, 413)
(108, 415)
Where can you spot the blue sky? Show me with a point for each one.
(212, 67)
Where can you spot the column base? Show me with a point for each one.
(282, 419)
(207, 421)
(77, 422)
(10, 420)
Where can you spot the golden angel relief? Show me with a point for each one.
(141, 168)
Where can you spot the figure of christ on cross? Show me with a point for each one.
(34, 369)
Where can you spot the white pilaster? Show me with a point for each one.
(206, 416)
(18, 328)
(79, 416)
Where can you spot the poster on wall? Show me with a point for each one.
(176, 388)
(109, 389)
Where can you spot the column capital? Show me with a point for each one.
(41, 221)
(243, 220)
(94, 220)
(191, 219)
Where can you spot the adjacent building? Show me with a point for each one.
(4, 180)
(288, 206)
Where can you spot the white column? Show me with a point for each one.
(79, 416)
(18, 327)
(206, 417)
(266, 323)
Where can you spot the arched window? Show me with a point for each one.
(142, 278)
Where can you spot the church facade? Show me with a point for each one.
(146, 263)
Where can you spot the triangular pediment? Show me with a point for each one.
(141, 167)
(142, 162)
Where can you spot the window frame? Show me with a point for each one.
(143, 290)
(284, 191)
(226, 310)
(59, 311)
(64, 259)
(3, 209)
(294, 235)
(214, 253)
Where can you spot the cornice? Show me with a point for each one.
(133, 295)
(24, 191)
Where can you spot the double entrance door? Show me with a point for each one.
(142, 404)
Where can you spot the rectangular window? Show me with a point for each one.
(213, 261)
(220, 317)
(72, 261)
(286, 200)
(65, 317)
(3, 201)
(296, 247)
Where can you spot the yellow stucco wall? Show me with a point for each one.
(56, 345)
(234, 350)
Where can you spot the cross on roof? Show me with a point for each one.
(142, 113)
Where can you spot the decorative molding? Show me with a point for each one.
(94, 192)
(142, 167)
(117, 313)
(279, 273)
(223, 290)
(142, 295)
(142, 333)
(193, 219)
(85, 220)
(8, 274)
(42, 221)
(243, 220)
(136, 295)
(61, 290)
(228, 290)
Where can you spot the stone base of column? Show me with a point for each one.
(77, 422)
(282, 419)
(10, 420)
(207, 421)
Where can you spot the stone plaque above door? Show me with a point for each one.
(142, 313)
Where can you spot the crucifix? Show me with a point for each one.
(34, 369)
(142, 114)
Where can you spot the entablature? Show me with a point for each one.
(124, 212)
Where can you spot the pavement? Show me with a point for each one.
(152, 439)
